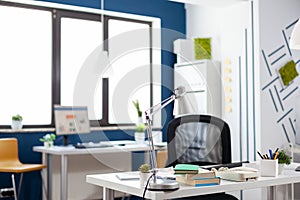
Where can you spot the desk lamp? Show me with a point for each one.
(295, 37)
(160, 184)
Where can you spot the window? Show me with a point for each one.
(129, 48)
(52, 56)
(26, 70)
(79, 38)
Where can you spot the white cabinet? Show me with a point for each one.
(202, 82)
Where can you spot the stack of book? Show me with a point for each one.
(203, 177)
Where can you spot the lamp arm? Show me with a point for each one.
(177, 93)
(156, 108)
(151, 145)
(149, 113)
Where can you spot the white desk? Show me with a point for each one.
(64, 152)
(111, 183)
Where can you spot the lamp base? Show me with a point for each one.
(163, 185)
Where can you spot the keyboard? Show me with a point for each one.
(86, 145)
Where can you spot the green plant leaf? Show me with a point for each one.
(145, 168)
(140, 128)
(48, 137)
(202, 48)
(288, 72)
(17, 117)
(283, 158)
(137, 107)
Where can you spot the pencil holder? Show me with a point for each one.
(268, 167)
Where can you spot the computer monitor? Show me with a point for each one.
(71, 120)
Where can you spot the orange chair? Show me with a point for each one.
(10, 163)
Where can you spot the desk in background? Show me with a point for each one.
(64, 152)
(111, 183)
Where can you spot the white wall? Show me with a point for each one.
(274, 23)
(251, 38)
(275, 17)
(197, 25)
(230, 30)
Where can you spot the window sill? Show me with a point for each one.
(31, 130)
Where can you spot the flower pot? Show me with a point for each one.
(16, 125)
(280, 168)
(139, 120)
(144, 178)
(139, 137)
(48, 144)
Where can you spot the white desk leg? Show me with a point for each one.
(286, 192)
(108, 194)
(289, 191)
(272, 193)
(64, 178)
(292, 191)
(49, 177)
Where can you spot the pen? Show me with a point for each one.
(276, 155)
(260, 155)
(276, 150)
(271, 155)
(267, 157)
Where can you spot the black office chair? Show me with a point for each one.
(201, 140)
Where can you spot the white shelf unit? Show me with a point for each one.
(202, 82)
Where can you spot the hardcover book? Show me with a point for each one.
(186, 169)
(202, 173)
(199, 181)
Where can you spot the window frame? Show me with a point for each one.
(105, 122)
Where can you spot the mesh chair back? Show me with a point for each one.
(198, 139)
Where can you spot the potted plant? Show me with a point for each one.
(16, 122)
(48, 139)
(144, 174)
(283, 159)
(139, 135)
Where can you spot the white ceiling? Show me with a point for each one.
(214, 3)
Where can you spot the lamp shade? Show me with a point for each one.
(295, 37)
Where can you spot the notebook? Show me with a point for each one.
(128, 176)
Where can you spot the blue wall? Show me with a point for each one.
(172, 17)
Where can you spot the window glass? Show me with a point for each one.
(129, 52)
(80, 41)
(25, 72)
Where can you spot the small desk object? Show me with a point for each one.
(65, 151)
(111, 183)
